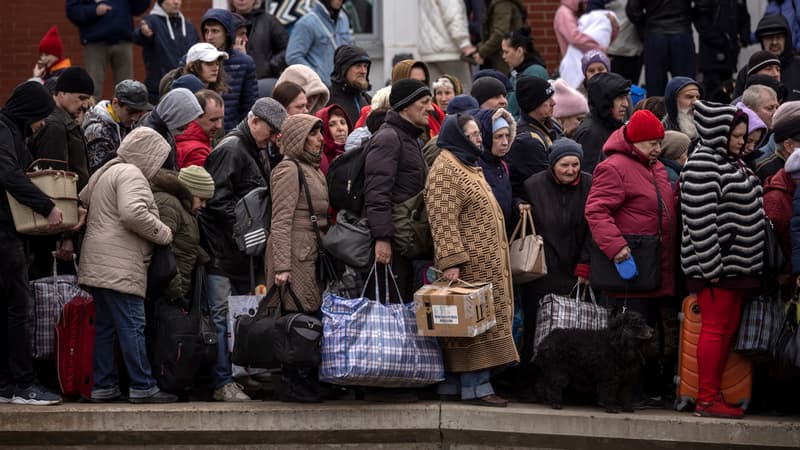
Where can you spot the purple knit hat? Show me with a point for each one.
(593, 56)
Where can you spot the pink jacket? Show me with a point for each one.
(565, 25)
(623, 200)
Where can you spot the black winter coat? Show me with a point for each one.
(593, 132)
(350, 98)
(266, 43)
(61, 139)
(528, 154)
(558, 213)
(237, 167)
(723, 27)
(394, 171)
(790, 64)
(28, 103)
(163, 52)
(652, 17)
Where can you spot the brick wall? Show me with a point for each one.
(25, 22)
(540, 18)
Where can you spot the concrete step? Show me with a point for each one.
(354, 424)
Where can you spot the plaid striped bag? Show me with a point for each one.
(50, 294)
(568, 311)
(369, 343)
(760, 325)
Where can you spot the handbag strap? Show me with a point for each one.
(660, 206)
(389, 274)
(304, 187)
(263, 304)
(197, 294)
(296, 300)
(529, 218)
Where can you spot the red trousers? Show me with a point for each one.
(720, 311)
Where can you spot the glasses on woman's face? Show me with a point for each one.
(474, 137)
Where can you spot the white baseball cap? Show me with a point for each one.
(204, 52)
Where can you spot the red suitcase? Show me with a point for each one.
(75, 347)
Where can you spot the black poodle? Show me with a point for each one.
(605, 361)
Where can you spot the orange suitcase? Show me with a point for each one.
(737, 379)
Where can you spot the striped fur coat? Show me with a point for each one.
(721, 202)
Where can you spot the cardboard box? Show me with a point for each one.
(454, 310)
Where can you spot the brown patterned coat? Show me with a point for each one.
(469, 231)
(292, 243)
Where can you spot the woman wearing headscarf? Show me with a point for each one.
(722, 244)
(292, 250)
(467, 226)
(336, 127)
(631, 195)
(498, 129)
(557, 201)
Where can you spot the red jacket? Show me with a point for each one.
(778, 194)
(623, 200)
(193, 146)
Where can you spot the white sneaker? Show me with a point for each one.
(231, 392)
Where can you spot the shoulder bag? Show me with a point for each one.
(646, 251)
(527, 253)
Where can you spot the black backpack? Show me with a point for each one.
(253, 214)
(346, 180)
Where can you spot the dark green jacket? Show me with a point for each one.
(501, 18)
(174, 206)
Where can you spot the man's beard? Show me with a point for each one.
(686, 124)
(360, 84)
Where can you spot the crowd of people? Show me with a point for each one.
(479, 128)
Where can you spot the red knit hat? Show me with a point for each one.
(51, 43)
(643, 126)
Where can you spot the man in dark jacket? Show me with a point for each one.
(171, 117)
(61, 139)
(350, 80)
(165, 36)
(219, 29)
(266, 40)
(535, 131)
(679, 99)
(394, 171)
(775, 36)
(23, 113)
(238, 166)
(608, 106)
(668, 43)
(106, 30)
(723, 27)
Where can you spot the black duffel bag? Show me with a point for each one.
(269, 338)
(185, 341)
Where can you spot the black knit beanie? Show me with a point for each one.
(407, 91)
(487, 87)
(760, 60)
(532, 92)
(75, 80)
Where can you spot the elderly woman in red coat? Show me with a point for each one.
(778, 194)
(624, 199)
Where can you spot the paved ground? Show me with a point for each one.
(350, 424)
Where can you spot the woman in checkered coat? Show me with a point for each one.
(470, 244)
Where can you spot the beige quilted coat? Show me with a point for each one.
(468, 230)
(292, 243)
(123, 221)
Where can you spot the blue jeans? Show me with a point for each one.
(472, 384)
(219, 289)
(122, 316)
(673, 53)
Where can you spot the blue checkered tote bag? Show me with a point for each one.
(568, 311)
(369, 343)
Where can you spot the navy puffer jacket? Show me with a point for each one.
(240, 69)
